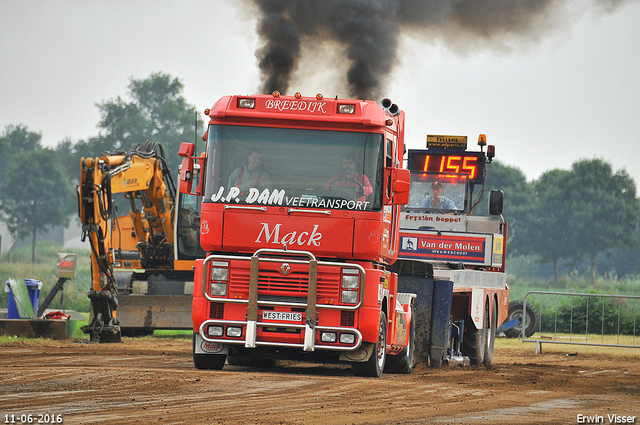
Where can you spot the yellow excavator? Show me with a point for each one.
(141, 261)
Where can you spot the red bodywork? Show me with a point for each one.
(282, 260)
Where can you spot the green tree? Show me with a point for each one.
(34, 195)
(70, 154)
(16, 139)
(157, 112)
(518, 202)
(604, 210)
(549, 233)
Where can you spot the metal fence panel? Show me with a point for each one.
(584, 319)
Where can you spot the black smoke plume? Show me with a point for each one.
(369, 29)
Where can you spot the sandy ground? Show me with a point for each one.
(153, 380)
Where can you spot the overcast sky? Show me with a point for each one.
(572, 94)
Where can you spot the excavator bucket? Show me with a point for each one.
(102, 332)
(103, 325)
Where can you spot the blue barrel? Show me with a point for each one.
(33, 286)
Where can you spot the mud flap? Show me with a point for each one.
(360, 355)
(204, 347)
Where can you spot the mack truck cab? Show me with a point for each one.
(299, 222)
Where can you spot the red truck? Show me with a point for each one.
(301, 202)
(300, 221)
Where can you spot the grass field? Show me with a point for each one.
(17, 265)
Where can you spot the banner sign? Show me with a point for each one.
(417, 220)
(449, 248)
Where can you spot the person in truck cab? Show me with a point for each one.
(250, 175)
(436, 200)
(351, 178)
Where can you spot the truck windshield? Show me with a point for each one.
(294, 168)
(437, 193)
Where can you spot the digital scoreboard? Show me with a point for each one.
(448, 162)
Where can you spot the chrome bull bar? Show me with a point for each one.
(255, 343)
(251, 324)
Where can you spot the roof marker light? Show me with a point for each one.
(207, 111)
(347, 109)
(319, 96)
(246, 103)
(298, 95)
(276, 93)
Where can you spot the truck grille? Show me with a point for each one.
(272, 283)
(347, 318)
(216, 311)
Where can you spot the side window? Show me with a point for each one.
(388, 163)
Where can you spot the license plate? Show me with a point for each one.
(282, 316)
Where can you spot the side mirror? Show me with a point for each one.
(187, 149)
(401, 185)
(186, 175)
(190, 170)
(495, 202)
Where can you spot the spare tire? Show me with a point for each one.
(530, 322)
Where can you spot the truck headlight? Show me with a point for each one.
(328, 337)
(220, 274)
(347, 338)
(349, 297)
(214, 331)
(350, 279)
(219, 289)
(234, 332)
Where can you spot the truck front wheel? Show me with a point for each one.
(403, 362)
(375, 365)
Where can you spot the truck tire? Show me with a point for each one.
(530, 322)
(375, 365)
(403, 362)
(207, 361)
(491, 333)
(474, 342)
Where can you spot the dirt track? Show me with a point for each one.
(152, 380)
